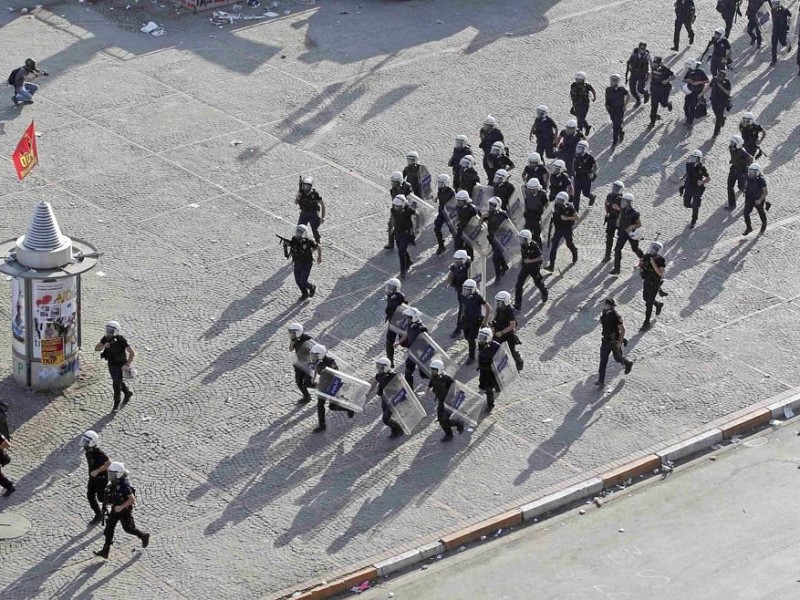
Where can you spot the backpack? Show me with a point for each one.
(12, 78)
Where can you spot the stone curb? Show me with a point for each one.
(782, 405)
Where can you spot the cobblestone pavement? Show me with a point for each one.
(137, 156)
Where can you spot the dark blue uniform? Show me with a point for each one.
(567, 144)
(493, 221)
(781, 18)
(440, 385)
(684, 17)
(616, 97)
(579, 93)
(754, 187)
(443, 195)
(660, 88)
(383, 380)
(310, 208)
(455, 163)
(465, 214)
(96, 486)
(611, 219)
(627, 217)
(393, 302)
(402, 189)
(301, 250)
(753, 26)
(502, 319)
(488, 138)
(562, 230)
(692, 99)
(494, 162)
(639, 67)
(327, 362)
(544, 129)
(404, 235)
(535, 205)
(486, 379)
(584, 176)
(301, 378)
(118, 494)
(530, 251)
(460, 275)
(720, 100)
(504, 191)
(740, 160)
(692, 190)
(728, 9)
(539, 172)
(611, 344)
(472, 319)
(651, 282)
(560, 182)
(412, 333)
(719, 53)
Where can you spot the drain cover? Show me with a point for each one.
(13, 526)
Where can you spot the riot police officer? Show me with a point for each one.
(487, 382)
(444, 194)
(489, 134)
(460, 150)
(457, 275)
(695, 82)
(502, 187)
(755, 194)
(535, 204)
(497, 159)
(564, 217)
(660, 87)
(536, 170)
(611, 219)
(752, 134)
(312, 207)
(585, 173)
(394, 299)
(119, 354)
(474, 316)
(414, 327)
(404, 231)
(121, 500)
(616, 102)
(297, 337)
(384, 375)
(440, 384)
(612, 340)
(628, 223)
(493, 219)
(320, 360)
(684, 17)
(720, 99)
(399, 187)
(412, 173)
(568, 143)
(753, 25)
(530, 266)
(579, 93)
(544, 130)
(637, 72)
(560, 181)
(469, 175)
(720, 51)
(651, 268)
(98, 462)
(737, 173)
(301, 249)
(781, 18)
(729, 9)
(504, 326)
(694, 184)
(465, 211)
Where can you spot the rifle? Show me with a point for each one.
(283, 239)
(300, 184)
(105, 503)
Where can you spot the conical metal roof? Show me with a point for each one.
(44, 234)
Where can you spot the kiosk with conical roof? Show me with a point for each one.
(45, 268)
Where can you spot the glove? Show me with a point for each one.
(625, 342)
(680, 190)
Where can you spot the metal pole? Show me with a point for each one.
(29, 328)
(78, 309)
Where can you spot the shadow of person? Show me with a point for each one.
(89, 593)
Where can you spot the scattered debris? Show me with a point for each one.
(362, 587)
(483, 538)
(582, 512)
(237, 143)
(462, 548)
(736, 439)
(598, 502)
(621, 530)
(253, 3)
(424, 567)
(100, 273)
(498, 533)
(271, 15)
(547, 420)
(775, 422)
(220, 17)
(712, 458)
(667, 467)
(145, 419)
(153, 29)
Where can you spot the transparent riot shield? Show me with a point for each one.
(426, 214)
(398, 322)
(342, 389)
(504, 368)
(506, 237)
(424, 350)
(516, 209)
(426, 183)
(481, 195)
(404, 404)
(475, 234)
(477, 271)
(451, 213)
(302, 356)
(464, 404)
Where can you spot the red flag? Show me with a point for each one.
(26, 156)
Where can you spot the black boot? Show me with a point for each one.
(104, 552)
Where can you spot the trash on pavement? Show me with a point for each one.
(153, 29)
(361, 587)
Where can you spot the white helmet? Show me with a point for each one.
(116, 470)
(655, 248)
(309, 181)
(318, 352)
(754, 168)
(736, 141)
(502, 174)
(497, 148)
(627, 200)
(383, 364)
(534, 158)
(467, 162)
(617, 187)
(443, 180)
(399, 200)
(412, 157)
(525, 236)
(437, 365)
(541, 110)
(461, 141)
(748, 116)
(533, 184)
(562, 197)
(720, 31)
(484, 335)
(503, 298)
(692, 63)
(580, 76)
(295, 330)
(490, 120)
(615, 78)
(696, 154)
(469, 287)
(393, 285)
(571, 124)
(462, 197)
(495, 203)
(301, 231)
(112, 328)
(559, 166)
(412, 313)
(396, 177)
(582, 147)
(461, 255)
(89, 439)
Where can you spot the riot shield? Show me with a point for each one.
(481, 195)
(506, 237)
(504, 368)
(475, 234)
(516, 209)
(546, 220)
(398, 321)
(404, 404)
(426, 183)
(425, 212)
(424, 350)
(342, 389)
(477, 271)
(463, 403)
(302, 356)
(451, 213)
